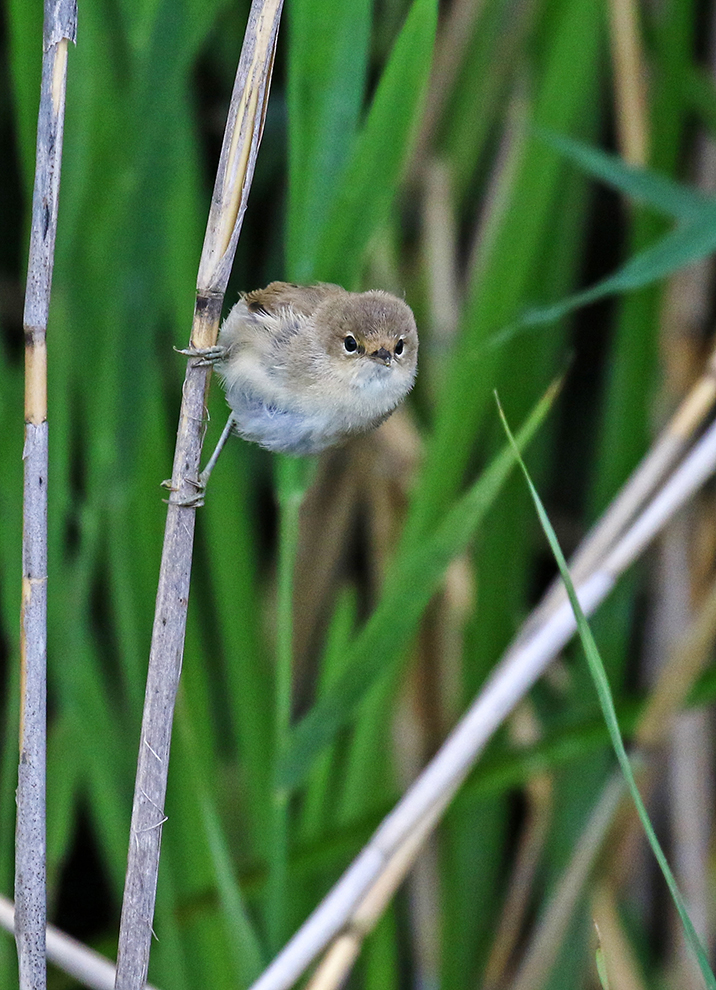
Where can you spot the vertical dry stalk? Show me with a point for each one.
(632, 112)
(236, 167)
(60, 27)
(450, 49)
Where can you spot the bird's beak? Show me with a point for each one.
(383, 355)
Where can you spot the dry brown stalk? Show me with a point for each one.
(236, 167)
(631, 108)
(60, 27)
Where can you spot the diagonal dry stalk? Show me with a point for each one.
(236, 167)
(345, 907)
(60, 27)
(687, 659)
(670, 446)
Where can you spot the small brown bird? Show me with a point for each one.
(305, 367)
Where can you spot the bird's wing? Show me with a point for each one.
(302, 299)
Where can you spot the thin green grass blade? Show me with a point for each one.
(679, 248)
(419, 568)
(601, 965)
(370, 181)
(661, 193)
(601, 682)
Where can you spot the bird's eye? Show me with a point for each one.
(350, 343)
(399, 347)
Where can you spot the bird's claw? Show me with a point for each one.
(204, 357)
(187, 501)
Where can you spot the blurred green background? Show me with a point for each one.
(440, 186)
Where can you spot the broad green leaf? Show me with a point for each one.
(64, 787)
(412, 582)
(242, 937)
(701, 96)
(370, 181)
(683, 246)
(328, 56)
(674, 200)
(24, 59)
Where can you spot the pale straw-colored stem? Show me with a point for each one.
(236, 166)
(451, 47)
(339, 959)
(549, 934)
(649, 474)
(630, 98)
(30, 835)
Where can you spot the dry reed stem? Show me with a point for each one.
(685, 323)
(339, 959)
(451, 47)
(440, 247)
(659, 460)
(518, 670)
(688, 658)
(524, 731)
(77, 960)
(235, 172)
(549, 934)
(690, 821)
(631, 108)
(60, 27)
(497, 198)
